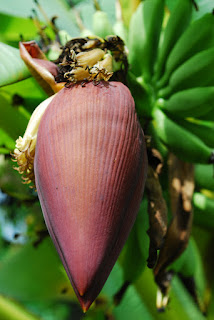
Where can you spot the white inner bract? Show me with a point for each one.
(25, 147)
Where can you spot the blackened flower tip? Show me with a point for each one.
(24, 151)
(86, 66)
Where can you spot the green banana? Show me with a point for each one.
(195, 72)
(190, 103)
(203, 211)
(197, 37)
(202, 129)
(180, 141)
(153, 11)
(134, 259)
(101, 24)
(204, 176)
(144, 33)
(178, 22)
(41, 263)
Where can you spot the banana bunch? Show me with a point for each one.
(172, 62)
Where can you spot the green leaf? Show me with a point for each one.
(11, 182)
(181, 305)
(98, 315)
(29, 273)
(188, 305)
(133, 261)
(12, 68)
(6, 141)
(204, 6)
(59, 8)
(4, 150)
(109, 8)
(87, 10)
(11, 33)
(132, 307)
(189, 264)
(10, 310)
(11, 120)
(27, 91)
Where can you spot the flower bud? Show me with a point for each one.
(90, 169)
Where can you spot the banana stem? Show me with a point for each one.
(97, 5)
(118, 11)
(49, 22)
(10, 310)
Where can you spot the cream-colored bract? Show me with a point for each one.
(90, 65)
(102, 70)
(25, 147)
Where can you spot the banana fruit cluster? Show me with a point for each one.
(172, 65)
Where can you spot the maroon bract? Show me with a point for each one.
(42, 69)
(90, 168)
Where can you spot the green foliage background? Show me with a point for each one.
(33, 283)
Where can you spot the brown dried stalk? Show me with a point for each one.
(157, 208)
(181, 182)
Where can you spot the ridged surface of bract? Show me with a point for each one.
(90, 170)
